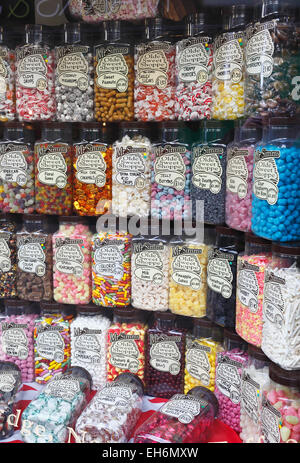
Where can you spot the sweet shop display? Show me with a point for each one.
(7, 80)
(10, 381)
(8, 256)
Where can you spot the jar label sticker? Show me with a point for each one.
(186, 268)
(229, 57)
(100, 7)
(169, 167)
(130, 167)
(164, 353)
(90, 165)
(108, 260)
(14, 340)
(270, 422)
(65, 388)
(32, 67)
(147, 262)
(228, 379)
(183, 407)
(51, 167)
(259, 49)
(247, 285)
(5, 262)
(273, 302)
(250, 393)
(124, 352)
(237, 172)
(68, 256)
(197, 363)
(13, 164)
(152, 64)
(266, 176)
(114, 394)
(87, 345)
(7, 381)
(50, 343)
(219, 273)
(193, 59)
(31, 255)
(207, 169)
(72, 67)
(112, 68)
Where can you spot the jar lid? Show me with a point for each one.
(217, 333)
(285, 377)
(126, 312)
(80, 373)
(90, 308)
(51, 307)
(171, 125)
(15, 306)
(257, 353)
(73, 218)
(164, 316)
(233, 336)
(205, 394)
(292, 249)
(90, 125)
(7, 216)
(205, 322)
(223, 230)
(280, 121)
(34, 218)
(251, 238)
(131, 379)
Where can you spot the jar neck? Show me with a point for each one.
(112, 31)
(34, 225)
(34, 34)
(72, 33)
(13, 134)
(274, 132)
(236, 19)
(224, 240)
(52, 134)
(247, 135)
(256, 248)
(154, 29)
(90, 135)
(170, 135)
(165, 325)
(202, 332)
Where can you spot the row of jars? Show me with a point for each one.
(240, 71)
(186, 172)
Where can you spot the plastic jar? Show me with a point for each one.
(150, 273)
(251, 268)
(34, 259)
(126, 344)
(229, 370)
(16, 344)
(194, 61)
(228, 68)
(183, 419)
(74, 85)
(280, 416)
(280, 332)
(57, 408)
(52, 345)
(88, 342)
(7, 80)
(53, 170)
(272, 53)
(276, 185)
(171, 174)
(165, 348)
(35, 76)
(72, 279)
(16, 170)
(155, 74)
(113, 412)
(239, 175)
(114, 75)
(92, 191)
(10, 376)
(221, 277)
(131, 166)
(202, 347)
(255, 379)
(8, 257)
(111, 268)
(209, 170)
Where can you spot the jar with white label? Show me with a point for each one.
(255, 379)
(89, 342)
(221, 276)
(131, 166)
(276, 184)
(72, 268)
(8, 256)
(35, 76)
(183, 419)
(74, 84)
(271, 53)
(7, 79)
(239, 175)
(16, 170)
(113, 412)
(251, 268)
(281, 323)
(10, 381)
(280, 415)
(16, 344)
(54, 412)
(34, 259)
(53, 170)
(150, 273)
(208, 160)
(202, 347)
(229, 370)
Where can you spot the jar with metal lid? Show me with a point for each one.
(8, 256)
(8, 78)
(10, 383)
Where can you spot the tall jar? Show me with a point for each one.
(10, 384)
(252, 264)
(7, 80)
(229, 369)
(155, 74)
(111, 268)
(280, 416)
(202, 347)
(221, 277)
(8, 257)
(276, 184)
(131, 166)
(194, 62)
(281, 303)
(53, 170)
(126, 344)
(16, 170)
(34, 259)
(150, 273)
(239, 175)
(35, 76)
(209, 171)
(16, 344)
(74, 76)
(114, 75)
(165, 347)
(72, 279)
(171, 174)
(255, 379)
(92, 191)
(52, 341)
(89, 342)
(228, 68)
(272, 53)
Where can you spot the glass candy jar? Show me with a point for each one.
(10, 382)
(8, 257)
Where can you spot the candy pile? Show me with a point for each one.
(7, 84)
